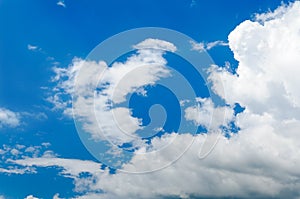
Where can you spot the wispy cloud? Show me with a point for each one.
(16, 171)
(35, 115)
(61, 3)
(41, 51)
(202, 46)
(32, 47)
(211, 45)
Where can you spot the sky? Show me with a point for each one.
(149, 99)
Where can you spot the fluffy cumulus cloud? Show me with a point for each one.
(267, 52)
(261, 160)
(81, 79)
(206, 114)
(9, 118)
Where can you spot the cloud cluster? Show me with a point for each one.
(10, 153)
(81, 80)
(261, 160)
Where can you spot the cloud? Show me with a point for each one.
(268, 61)
(139, 70)
(56, 196)
(28, 158)
(32, 47)
(10, 153)
(9, 118)
(234, 168)
(156, 44)
(61, 3)
(202, 46)
(30, 197)
(211, 45)
(238, 167)
(206, 114)
(261, 160)
(17, 170)
(71, 167)
(271, 15)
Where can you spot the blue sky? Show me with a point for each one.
(36, 36)
(63, 33)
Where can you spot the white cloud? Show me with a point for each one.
(9, 118)
(61, 3)
(21, 151)
(17, 170)
(80, 80)
(56, 196)
(206, 114)
(202, 46)
(14, 152)
(271, 15)
(211, 45)
(156, 44)
(268, 65)
(237, 167)
(198, 46)
(46, 144)
(71, 167)
(30, 197)
(32, 47)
